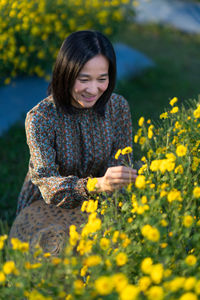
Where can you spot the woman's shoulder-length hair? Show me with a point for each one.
(76, 50)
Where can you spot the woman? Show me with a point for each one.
(73, 135)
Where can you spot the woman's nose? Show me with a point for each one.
(92, 88)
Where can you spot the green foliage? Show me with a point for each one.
(32, 32)
(140, 243)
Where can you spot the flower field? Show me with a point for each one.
(31, 32)
(140, 243)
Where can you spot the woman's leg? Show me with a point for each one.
(46, 225)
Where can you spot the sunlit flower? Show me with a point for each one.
(130, 292)
(191, 260)
(155, 292)
(141, 121)
(188, 296)
(174, 110)
(119, 281)
(103, 285)
(173, 101)
(118, 154)
(121, 259)
(188, 221)
(144, 283)
(196, 192)
(146, 265)
(164, 115)
(140, 182)
(181, 150)
(91, 184)
(126, 150)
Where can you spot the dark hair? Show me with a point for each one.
(76, 50)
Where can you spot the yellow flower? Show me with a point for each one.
(173, 101)
(29, 266)
(145, 229)
(140, 182)
(119, 281)
(146, 265)
(157, 273)
(181, 150)
(91, 206)
(130, 292)
(144, 283)
(142, 140)
(74, 235)
(197, 112)
(141, 121)
(174, 110)
(2, 277)
(197, 287)
(104, 243)
(176, 284)
(164, 115)
(155, 165)
(121, 259)
(187, 221)
(9, 267)
(150, 131)
(188, 296)
(92, 261)
(91, 184)
(153, 235)
(191, 260)
(173, 195)
(78, 286)
(196, 192)
(126, 150)
(189, 283)
(163, 223)
(103, 285)
(18, 245)
(155, 292)
(179, 169)
(118, 154)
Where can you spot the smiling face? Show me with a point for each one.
(91, 82)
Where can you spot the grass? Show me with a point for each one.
(177, 59)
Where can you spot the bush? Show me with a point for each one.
(140, 243)
(31, 32)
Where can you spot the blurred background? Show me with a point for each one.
(157, 44)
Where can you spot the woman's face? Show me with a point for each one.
(91, 82)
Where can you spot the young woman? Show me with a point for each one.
(73, 135)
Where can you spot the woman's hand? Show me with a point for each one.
(116, 178)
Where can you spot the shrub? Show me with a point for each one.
(140, 243)
(31, 32)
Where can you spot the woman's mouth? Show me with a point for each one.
(89, 98)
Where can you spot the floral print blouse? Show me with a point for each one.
(67, 149)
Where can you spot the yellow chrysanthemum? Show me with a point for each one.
(103, 285)
(91, 184)
(141, 121)
(126, 150)
(188, 221)
(196, 192)
(118, 154)
(191, 260)
(130, 292)
(121, 259)
(173, 101)
(140, 182)
(181, 150)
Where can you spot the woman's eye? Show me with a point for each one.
(102, 79)
(83, 80)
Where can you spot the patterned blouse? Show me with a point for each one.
(67, 149)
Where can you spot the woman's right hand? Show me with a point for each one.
(116, 178)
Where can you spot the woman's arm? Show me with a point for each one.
(61, 191)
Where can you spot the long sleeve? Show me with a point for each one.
(122, 124)
(65, 191)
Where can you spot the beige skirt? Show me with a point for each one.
(46, 225)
